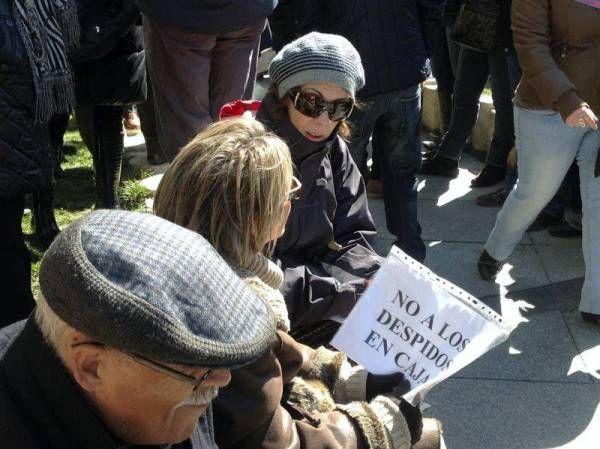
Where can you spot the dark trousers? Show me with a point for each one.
(394, 121)
(15, 269)
(474, 69)
(148, 119)
(194, 75)
(101, 129)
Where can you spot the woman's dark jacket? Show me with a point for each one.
(26, 159)
(40, 406)
(109, 64)
(325, 252)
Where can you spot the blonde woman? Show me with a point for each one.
(234, 184)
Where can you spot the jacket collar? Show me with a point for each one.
(300, 146)
(42, 387)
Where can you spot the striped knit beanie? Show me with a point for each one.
(318, 57)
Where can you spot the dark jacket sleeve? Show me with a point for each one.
(531, 32)
(248, 413)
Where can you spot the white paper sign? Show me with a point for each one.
(412, 321)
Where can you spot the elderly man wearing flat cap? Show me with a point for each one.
(136, 328)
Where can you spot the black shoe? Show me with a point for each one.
(426, 155)
(494, 199)
(430, 145)
(428, 149)
(590, 317)
(439, 165)
(542, 221)
(562, 229)
(488, 266)
(489, 176)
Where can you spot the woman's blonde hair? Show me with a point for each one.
(229, 184)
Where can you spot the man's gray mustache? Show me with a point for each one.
(201, 397)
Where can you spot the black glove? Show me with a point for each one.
(414, 420)
(388, 384)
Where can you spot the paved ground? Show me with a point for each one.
(540, 389)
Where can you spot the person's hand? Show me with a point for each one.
(359, 285)
(583, 117)
(395, 385)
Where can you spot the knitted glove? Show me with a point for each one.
(380, 422)
(390, 384)
(390, 416)
(351, 384)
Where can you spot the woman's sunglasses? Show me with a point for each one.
(312, 105)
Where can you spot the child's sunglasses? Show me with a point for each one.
(312, 105)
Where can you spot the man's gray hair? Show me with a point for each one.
(52, 327)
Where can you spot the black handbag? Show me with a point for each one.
(476, 25)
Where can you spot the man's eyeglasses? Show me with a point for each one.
(294, 192)
(313, 105)
(171, 372)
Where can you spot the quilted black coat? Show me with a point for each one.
(25, 154)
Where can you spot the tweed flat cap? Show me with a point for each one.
(318, 57)
(142, 284)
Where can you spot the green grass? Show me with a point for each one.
(74, 195)
(132, 195)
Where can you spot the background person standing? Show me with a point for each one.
(201, 55)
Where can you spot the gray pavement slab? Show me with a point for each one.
(541, 349)
(500, 414)
(444, 189)
(542, 238)
(457, 262)
(561, 263)
(152, 182)
(382, 246)
(586, 337)
(456, 221)
(558, 297)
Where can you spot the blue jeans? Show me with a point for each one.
(394, 121)
(547, 147)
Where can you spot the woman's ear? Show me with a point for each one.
(285, 213)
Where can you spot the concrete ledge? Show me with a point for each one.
(484, 128)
